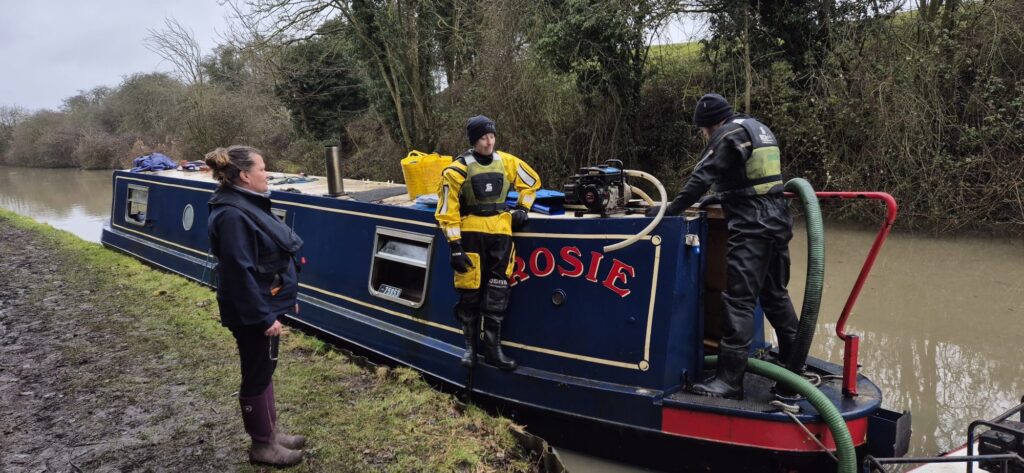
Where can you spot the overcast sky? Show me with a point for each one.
(51, 50)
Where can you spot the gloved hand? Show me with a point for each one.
(460, 262)
(708, 200)
(652, 211)
(519, 218)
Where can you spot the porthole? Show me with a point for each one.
(188, 216)
(558, 297)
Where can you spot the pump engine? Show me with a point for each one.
(598, 189)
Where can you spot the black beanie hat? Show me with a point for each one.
(711, 110)
(479, 126)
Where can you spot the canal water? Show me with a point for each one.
(68, 199)
(940, 319)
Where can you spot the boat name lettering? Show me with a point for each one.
(569, 263)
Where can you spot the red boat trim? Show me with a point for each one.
(758, 433)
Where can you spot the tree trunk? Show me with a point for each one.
(390, 81)
(949, 15)
(746, 59)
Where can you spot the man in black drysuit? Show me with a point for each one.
(742, 162)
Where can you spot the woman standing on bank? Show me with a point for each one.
(256, 284)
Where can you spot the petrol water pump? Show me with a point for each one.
(598, 189)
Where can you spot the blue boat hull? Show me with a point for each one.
(602, 339)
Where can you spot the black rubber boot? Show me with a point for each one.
(786, 346)
(469, 358)
(492, 346)
(728, 380)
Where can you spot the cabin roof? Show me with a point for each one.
(386, 193)
(318, 186)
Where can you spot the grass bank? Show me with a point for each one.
(150, 336)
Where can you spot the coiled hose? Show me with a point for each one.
(828, 411)
(815, 273)
(657, 218)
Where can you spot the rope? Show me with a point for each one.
(789, 409)
(206, 267)
(782, 406)
(816, 379)
(813, 378)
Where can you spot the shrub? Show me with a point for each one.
(212, 116)
(44, 139)
(145, 106)
(101, 150)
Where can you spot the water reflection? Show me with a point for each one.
(69, 199)
(938, 321)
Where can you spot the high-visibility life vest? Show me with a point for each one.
(763, 171)
(486, 188)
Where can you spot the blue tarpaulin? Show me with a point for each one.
(153, 162)
(549, 202)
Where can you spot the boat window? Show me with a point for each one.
(279, 213)
(400, 267)
(135, 210)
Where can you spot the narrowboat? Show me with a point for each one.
(612, 314)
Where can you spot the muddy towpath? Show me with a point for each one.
(108, 365)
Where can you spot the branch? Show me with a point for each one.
(177, 45)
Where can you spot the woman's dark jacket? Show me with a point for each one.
(255, 252)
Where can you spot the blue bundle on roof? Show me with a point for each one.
(549, 202)
(153, 162)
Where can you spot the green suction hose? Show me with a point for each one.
(815, 273)
(844, 443)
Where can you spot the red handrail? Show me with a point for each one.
(883, 233)
(852, 342)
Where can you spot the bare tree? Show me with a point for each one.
(177, 44)
(11, 115)
(276, 20)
